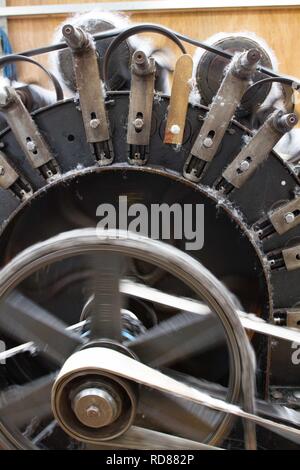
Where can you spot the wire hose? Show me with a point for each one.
(136, 29)
(12, 58)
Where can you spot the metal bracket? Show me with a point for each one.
(27, 133)
(90, 90)
(291, 257)
(222, 109)
(179, 100)
(293, 318)
(9, 179)
(257, 150)
(286, 217)
(141, 102)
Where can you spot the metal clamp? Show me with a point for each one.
(257, 150)
(222, 110)
(9, 179)
(141, 102)
(27, 133)
(90, 90)
(286, 217)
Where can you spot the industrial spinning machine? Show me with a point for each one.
(115, 340)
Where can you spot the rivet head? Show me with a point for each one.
(244, 165)
(94, 123)
(175, 129)
(289, 218)
(138, 124)
(31, 146)
(207, 142)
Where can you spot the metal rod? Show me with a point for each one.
(143, 6)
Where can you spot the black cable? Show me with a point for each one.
(12, 58)
(285, 80)
(131, 31)
(115, 32)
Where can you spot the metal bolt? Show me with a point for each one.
(94, 123)
(96, 407)
(289, 218)
(31, 146)
(93, 411)
(138, 124)
(207, 142)
(175, 129)
(2, 170)
(277, 394)
(244, 165)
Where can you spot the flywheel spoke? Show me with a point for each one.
(177, 338)
(24, 320)
(20, 403)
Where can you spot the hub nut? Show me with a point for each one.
(95, 407)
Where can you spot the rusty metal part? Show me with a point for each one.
(8, 176)
(291, 257)
(90, 90)
(222, 109)
(293, 317)
(286, 217)
(27, 133)
(10, 179)
(210, 71)
(258, 148)
(141, 99)
(179, 100)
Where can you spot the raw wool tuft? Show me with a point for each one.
(89, 20)
(248, 34)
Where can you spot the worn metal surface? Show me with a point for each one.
(26, 131)
(286, 217)
(291, 257)
(257, 150)
(141, 99)
(222, 109)
(89, 84)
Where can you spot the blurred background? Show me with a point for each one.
(278, 23)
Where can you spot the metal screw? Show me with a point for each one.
(138, 124)
(31, 146)
(2, 170)
(94, 123)
(289, 218)
(244, 165)
(175, 129)
(207, 142)
(93, 411)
